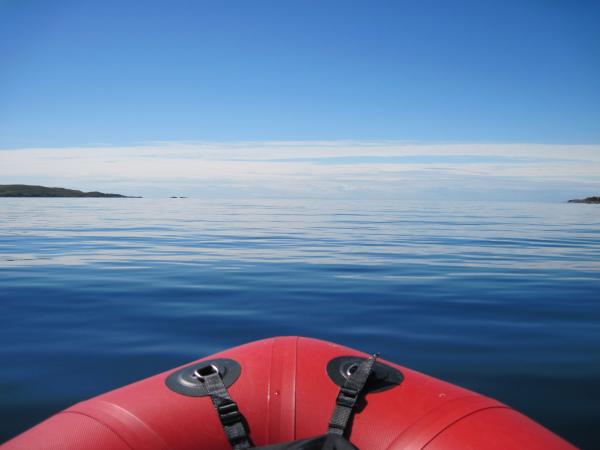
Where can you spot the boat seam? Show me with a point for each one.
(461, 418)
(269, 409)
(296, 341)
(101, 423)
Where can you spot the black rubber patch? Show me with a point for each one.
(383, 377)
(184, 381)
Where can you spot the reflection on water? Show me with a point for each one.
(502, 298)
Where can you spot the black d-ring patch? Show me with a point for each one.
(383, 377)
(185, 382)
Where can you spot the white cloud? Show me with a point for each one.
(329, 168)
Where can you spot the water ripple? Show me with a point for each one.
(499, 297)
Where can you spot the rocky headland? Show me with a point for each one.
(592, 200)
(25, 190)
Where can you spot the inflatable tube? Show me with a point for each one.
(286, 389)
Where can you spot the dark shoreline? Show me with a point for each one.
(588, 200)
(31, 191)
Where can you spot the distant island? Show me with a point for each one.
(24, 190)
(595, 200)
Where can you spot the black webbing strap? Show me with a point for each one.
(348, 396)
(229, 414)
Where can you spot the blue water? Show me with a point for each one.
(501, 298)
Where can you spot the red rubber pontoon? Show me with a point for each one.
(286, 389)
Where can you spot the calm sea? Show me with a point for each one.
(502, 298)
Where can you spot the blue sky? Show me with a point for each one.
(119, 72)
(285, 97)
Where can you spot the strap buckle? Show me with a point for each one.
(229, 413)
(347, 397)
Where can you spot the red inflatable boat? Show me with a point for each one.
(286, 389)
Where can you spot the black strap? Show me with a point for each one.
(348, 396)
(233, 421)
(323, 442)
(229, 414)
